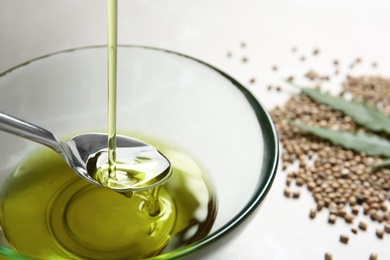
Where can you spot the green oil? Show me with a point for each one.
(49, 212)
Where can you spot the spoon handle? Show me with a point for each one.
(19, 127)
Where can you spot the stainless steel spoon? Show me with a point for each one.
(141, 165)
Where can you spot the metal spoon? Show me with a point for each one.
(141, 166)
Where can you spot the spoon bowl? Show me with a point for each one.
(140, 166)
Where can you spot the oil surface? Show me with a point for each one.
(49, 212)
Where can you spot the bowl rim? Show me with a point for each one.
(270, 157)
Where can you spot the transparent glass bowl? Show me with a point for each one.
(163, 94)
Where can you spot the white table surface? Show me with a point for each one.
(208, 29)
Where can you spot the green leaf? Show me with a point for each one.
(361, 113)
(383, 163)
(368, 143)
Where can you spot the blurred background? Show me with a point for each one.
(255, 41)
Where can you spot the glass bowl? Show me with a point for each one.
(162, 94)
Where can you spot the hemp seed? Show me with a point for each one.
(344, 239)
(332, 218)
(287, 193)
(296, 194)
(362, 225)
(313, 213)
(387, 228)
(379, 233)
(328, 256)
(373, 256)
(294, 49)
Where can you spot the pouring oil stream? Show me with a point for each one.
(112, 77)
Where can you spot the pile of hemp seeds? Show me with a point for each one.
(341, 181)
